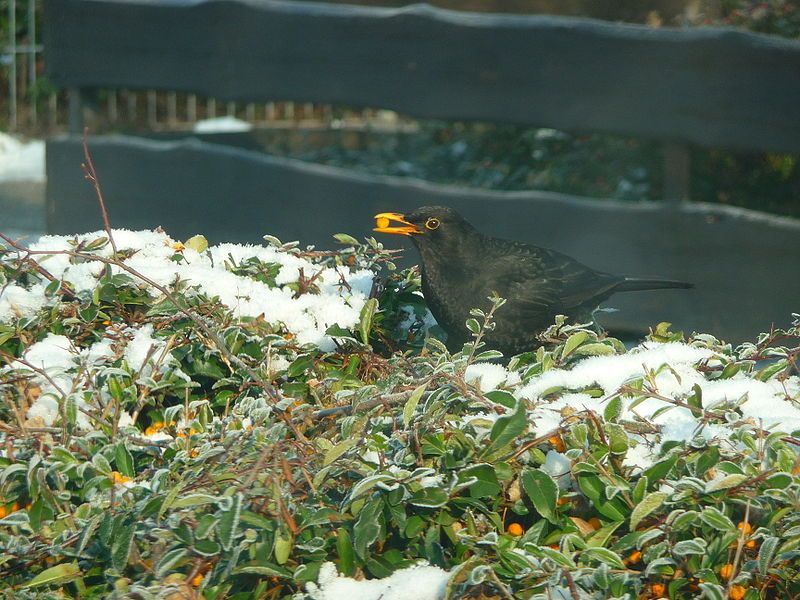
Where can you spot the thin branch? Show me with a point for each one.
(91, 176)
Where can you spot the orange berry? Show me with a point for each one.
(726, 571)
(658, 589)
(595, 523)
(562, 501)
(750, 544)
(745, 528)
(558, 443)
(635, 557)
(3, 511)
(515, 529)
(14, 507)
(737, 592)
(117, 477)
(197, 580)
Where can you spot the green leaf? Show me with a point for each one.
(344, 548)
(695, 546)
(604, 555)
(506, 429)
(229, 521)
(595, 349)
(716, 519)
(557, 557)
(613, 410)
(473, 326)
(338, 450)
(542, 491)
(198, 243)
(124, 460)
(767, 553)
(725, 483)
(367, 483)
(283, 546)
(58, 575)
(486, 485)
(429, 498)
(365, 319)
(661, 469)
(194, 500)
(639, 489)
(121, 544)
(502, 397)
(169, 560)
(412, 402)
(346, 239)
(601, 536)
(575, 340)
(712, 591)
(367, 528)
(617, 438)
(265, 569)
(650, 503)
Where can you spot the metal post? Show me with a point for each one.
(191, 108)
(172, 108)
(12, 75)
(75, 111)
(677, 173)
(152, 109)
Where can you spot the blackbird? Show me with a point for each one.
(461, 267)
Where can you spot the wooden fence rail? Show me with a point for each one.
(713, 87)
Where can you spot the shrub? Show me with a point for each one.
(252, 421)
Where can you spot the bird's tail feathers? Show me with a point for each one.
(632, 284)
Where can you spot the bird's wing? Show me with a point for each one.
(540, 279)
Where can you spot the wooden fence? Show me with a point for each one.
(712, 87)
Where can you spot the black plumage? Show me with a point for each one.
(461, 267)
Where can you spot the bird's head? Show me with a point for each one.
(428, 226)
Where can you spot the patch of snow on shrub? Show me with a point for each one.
(17, 302)
(421, 582)
(766, 402)
(342, 291)
(490, 376)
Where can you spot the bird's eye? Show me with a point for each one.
(432, 224)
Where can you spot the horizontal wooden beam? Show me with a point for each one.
(743, 263)
(713, 87)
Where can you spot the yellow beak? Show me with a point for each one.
(382, 221)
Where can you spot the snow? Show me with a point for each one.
(558, 467)
(421, 582)
(142, 346)
(306, 317)
(221, 124)
(765, 404)
(21, 161)
(17, 302)
(490, 376)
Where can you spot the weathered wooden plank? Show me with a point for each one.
(715, 87)
(744, 263)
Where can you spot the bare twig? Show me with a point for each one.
(91, 176)
(379, 401)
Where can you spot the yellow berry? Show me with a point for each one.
(737, 592)
(726, 571)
